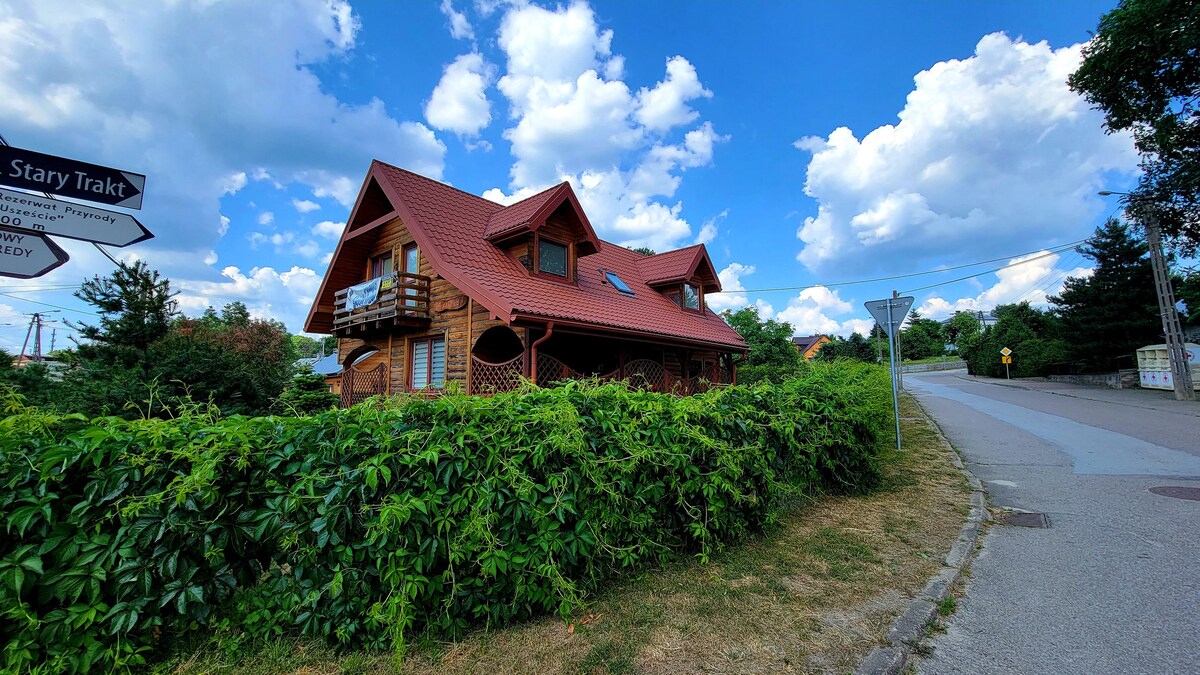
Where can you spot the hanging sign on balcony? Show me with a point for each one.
(363, 294)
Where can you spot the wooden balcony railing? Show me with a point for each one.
(403, 302)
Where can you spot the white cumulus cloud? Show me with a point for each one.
(305, 205)
(574, 118)
(329, 229)
(460, 27)
(809, 311)
(459, 102)
(731, 283)
(198, 96)
(1029, 278)
(989, 150)
(666, 105)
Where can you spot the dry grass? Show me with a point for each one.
(813, 594)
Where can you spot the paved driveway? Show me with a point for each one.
(1113, 586)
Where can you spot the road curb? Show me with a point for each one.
(909, 628)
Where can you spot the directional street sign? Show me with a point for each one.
(31, 170)
(24, 211)
(879, 311)
(1006, 352)
(24, 255)
(1006, 360)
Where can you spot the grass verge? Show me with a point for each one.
(814, 593)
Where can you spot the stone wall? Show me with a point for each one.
(927, 367)
(1123, 379)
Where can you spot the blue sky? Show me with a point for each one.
(806, 143)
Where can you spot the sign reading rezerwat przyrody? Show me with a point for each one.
(24, 211)
(31, 170)
(25, 255)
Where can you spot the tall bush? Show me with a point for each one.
(367, 525)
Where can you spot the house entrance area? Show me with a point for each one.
(499, 359)
(364, 375)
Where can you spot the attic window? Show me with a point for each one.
(619, 284)
(552, 257)
(691, 297)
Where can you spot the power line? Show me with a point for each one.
(904, 276)
(47, 304)
(1047, 254)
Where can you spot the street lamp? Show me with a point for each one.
(1181, 375)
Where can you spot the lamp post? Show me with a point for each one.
(1181, 375)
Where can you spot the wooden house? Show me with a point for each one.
(808, 346)
(430, 284)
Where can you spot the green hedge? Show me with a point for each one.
(367, 525)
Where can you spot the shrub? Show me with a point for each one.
(367, 525)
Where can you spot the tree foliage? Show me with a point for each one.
(772, 357)
(965, 333)
(307, 347)
(306, 394)
(1107, 316)
(1034, 336)
(237, 363)
(1142, 68)
(1189, 295)
(31, 380)
(135, 306)
(141, 353)
(855, 347)
(922, 338)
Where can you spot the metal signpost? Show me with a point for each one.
(24, 211)
(1006, 358)
(31, 170)
(24, 255)
(26, 219)
(889, 313)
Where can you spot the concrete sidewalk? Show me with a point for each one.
(1149, 399)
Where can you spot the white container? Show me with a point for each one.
(1154, 366)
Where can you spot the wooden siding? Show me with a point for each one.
(448, 318)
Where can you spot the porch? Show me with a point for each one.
(499, 360)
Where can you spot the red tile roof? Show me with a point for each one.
(679, 265)
(517, 216)
(450, 227)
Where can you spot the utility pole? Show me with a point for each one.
(53, 336)
(1181, 373)
(37, 340)
(25, 345)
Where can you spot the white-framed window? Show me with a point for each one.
(427, 359)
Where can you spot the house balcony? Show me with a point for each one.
(402, 301)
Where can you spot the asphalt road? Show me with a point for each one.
(1113, 585)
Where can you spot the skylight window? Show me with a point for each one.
(619, 284)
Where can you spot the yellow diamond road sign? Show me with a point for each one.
(1005, 352)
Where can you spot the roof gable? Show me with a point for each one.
(529, 214)
(685, 264)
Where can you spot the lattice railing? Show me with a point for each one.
(652, 375)
(550, 369)
(494, 378)
(359, 385)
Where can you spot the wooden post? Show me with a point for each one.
(388, 386)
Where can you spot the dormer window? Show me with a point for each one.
(691, 297)
(552, 257)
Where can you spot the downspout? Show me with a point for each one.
(533, 351)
